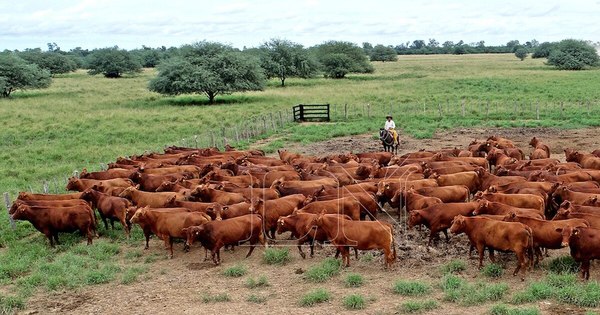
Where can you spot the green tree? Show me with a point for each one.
(383, 53)
(208, 68)
(340, 58)
(543, 50)
(112, 62)
(571, 54)
(521, 53)
(50, 60)
(283, 59)
(17, 74)
(513, 45)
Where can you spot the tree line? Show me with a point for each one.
(213, 68)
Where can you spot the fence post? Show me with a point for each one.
(346, 111)
(440, 109)
(462, 105)
(264, 119)
(537, 109)
(212, 139)
(369, 110)
(45, 186)
(487, 109)
(7, 203)
(424, 107)
(561, 109)
(588, 107)
(272, 121)
(281, 119)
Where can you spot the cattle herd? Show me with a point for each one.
(490, 191)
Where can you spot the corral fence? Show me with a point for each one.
(306, 112)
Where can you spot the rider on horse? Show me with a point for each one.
(390, 126)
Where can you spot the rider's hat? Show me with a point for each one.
(388, 116)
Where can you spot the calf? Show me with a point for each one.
(51, 220)
(216, 234)
(584, 244)
(505, 236)
(109, 207)
(362, 235)
(168, 225)
(585, 160)
(456, 193)
(439, 217)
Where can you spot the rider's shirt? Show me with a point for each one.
(390, 124)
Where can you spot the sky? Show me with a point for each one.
(130, 24)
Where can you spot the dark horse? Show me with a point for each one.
(387, 139)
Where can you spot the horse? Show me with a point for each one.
(387, 140)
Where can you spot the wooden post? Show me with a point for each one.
(281, 119)
(487, 110)
(440, 109)
(212, 139)
(45, 186)
(588, 107)
(7, 203)
(346, 111)
(196, 141)
(369, 110)
(424, 108)
(561, 109)
(462, 105)
(55, 185)
(537, 110)
(272, 121)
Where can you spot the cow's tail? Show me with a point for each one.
(393, 244)
(530, 249)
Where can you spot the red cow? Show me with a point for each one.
(584, 244)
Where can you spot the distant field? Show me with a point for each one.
(81, 121)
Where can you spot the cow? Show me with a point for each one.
(383, 158)
(488, 179)
(584, 244)
(497, 235)
(585, 160)
(150, 182)
(108, 174)
(515, 200)
(347, 205)
(151, 199)
(497, 157)
(456, 193)
(168, 225)
(497, 208)
(52, 220)
(271, 210)
(545, 234)
(81, 184)
(23, 195)
(47, 203)
(368, 201)
(438, 218)
(469, 179)
(592, 219)
(206, 194)
(362, 235)
(386, 189)
(413, 200)
(575, 176)
(216, 234)
(110, 207)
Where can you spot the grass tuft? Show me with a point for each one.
(131, 274)
(467, 294)
(257, 283)
(354, 280)
(215, 298)
(411, 307)
(314, 297)
(235, 271)
(354, 302)
(492, 271)
(503, 309)
(276, 256)
(253, 298)
(455, 266)
(411, 288)
(563, 264)
(322, 272)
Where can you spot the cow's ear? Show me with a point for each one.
(559, 230)
(575, 231)
(225, 208)
(184, 230)
(513, 215)
(387, 186)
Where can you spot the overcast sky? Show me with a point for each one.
(133, 23)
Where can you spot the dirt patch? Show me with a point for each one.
(177, 286)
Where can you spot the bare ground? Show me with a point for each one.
(176, 286)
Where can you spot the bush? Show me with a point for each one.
(354, 280)
(314, 297)
(454, 266)
(521, 53)
(418, 306)
(570, 54)
(235, 271)
(17, 74)
(563, 264)
(411, 288)
(492, 271)
(276, 256)
(354, 302)
(325, 270)
(502, 309)
(543, 50)
(260, 282)
(112, 62)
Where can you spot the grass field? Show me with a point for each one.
(81, 121)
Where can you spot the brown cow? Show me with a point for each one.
(362, 235)
(575, 176)
(539, 145)
(150, 182)
(31, 196)
(438, 218)
(497, 208)
(108, 174)
(414, 200)
(47, 203)
(488, 179)
(586, 160)
(205, 194)
(592, 219)
(584, 244)
(110, 207)
(168, 225)
(469, 179)
(151, 199)
(545, 233)
(216, 234)
(172, 170)
(515, 200)
(498, 157)
(51, 220)
(504, 236)
(194, 206)
(347, 205)
(271, 210)
(562, 193)
(382, 157)
(456, 193)
(368, 201)
(81, 184)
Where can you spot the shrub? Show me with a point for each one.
(17, 74)
(418, 306)
(260, 282)
(492, 271)
(521, 53)
(276, 256)
(314, 297)
(454, 266)
(354, 280)
(502, 309)
(235, 271)
(354, 302)
(571, 54)
(410, 288)
(325, 270)
(112, 62)
(256, 299)
(563, 264)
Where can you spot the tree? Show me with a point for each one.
(112, 62)
(339, 58)
(383, 53)
(50, 60)
(521, 53)
(208, 68)
(512, 45)
(543, 50)
(433, 43)
(283, 59)
(367, 47)
(571, 54)
(17, 74)
(418, 44)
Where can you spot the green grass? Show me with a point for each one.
(454, 266)
(354, 302)
(354, 280)
(131, 274)
(563, 264)
(315, 297)
(412, 307)
(260, 282)
(10, 304)
(368, 257)
(564, 288)
(215, 298)
(503, 309)
(460, 291)
(276, 256)
(235, 271)
(253, 298)
(492, 271)
(322, 272)
(411, 288)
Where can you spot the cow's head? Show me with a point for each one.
(72, 184)
(510, 217)
(286, 223)
(215, 211)
(414, 218)
(382, 188)
(458, 224)
(139, 214)
(192, 233)
(568, 233)
(562, 214)
(127, 192)
(482, 206)
(591, 201)
(534, 141)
